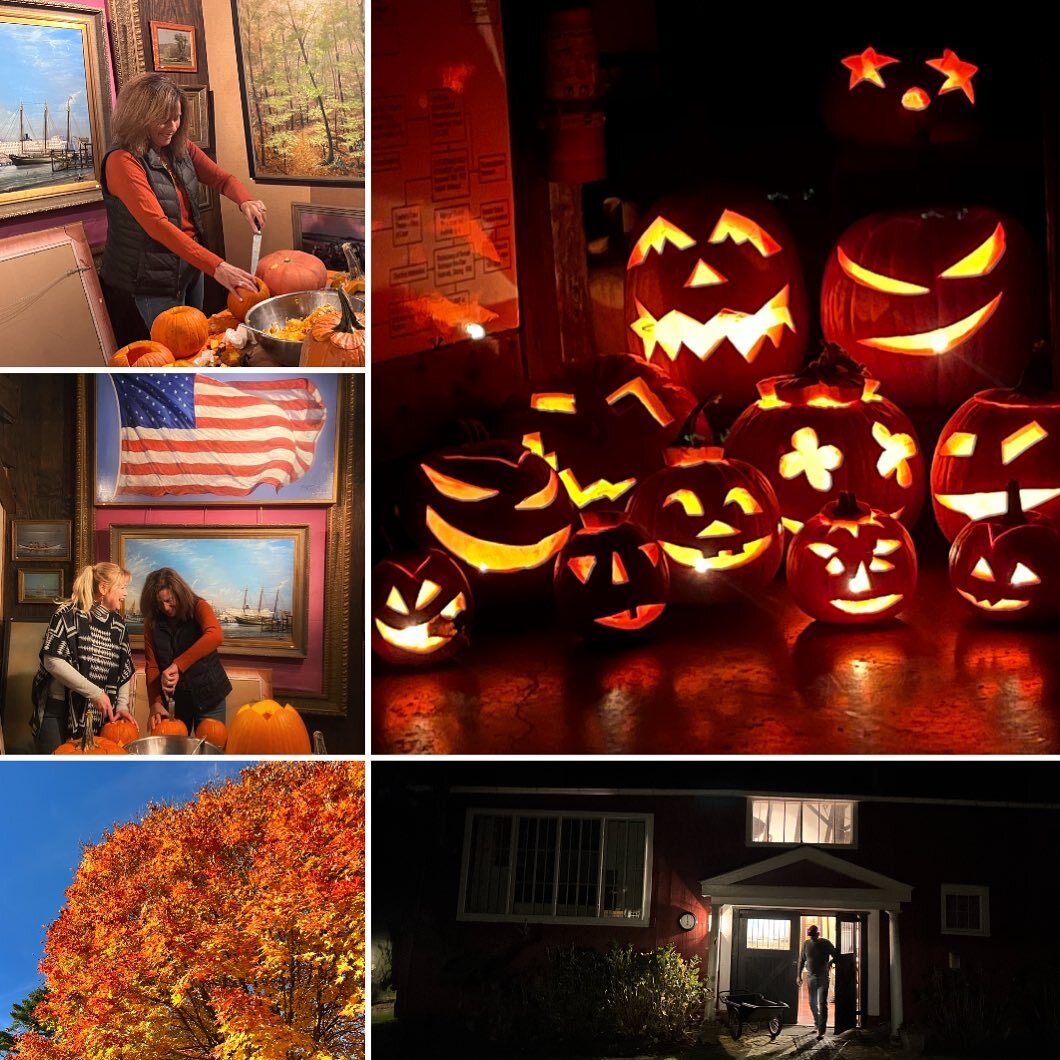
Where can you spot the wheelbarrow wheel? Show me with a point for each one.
(735, 1024)
(774, 1028)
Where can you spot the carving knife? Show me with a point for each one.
(255, 250)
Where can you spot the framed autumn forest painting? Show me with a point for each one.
(302, 74)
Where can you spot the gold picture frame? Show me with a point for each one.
(40, 585)
(262, 558)
(37, 539)
(173, 47)
(72, 39)
(127, 38)
(198, 114)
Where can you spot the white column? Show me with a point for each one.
(714, 958)
(897, 1015)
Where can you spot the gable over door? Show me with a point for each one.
(766, 956)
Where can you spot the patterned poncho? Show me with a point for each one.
(96, 645)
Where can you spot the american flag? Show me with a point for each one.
(185, 433)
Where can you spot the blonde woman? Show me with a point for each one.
(85, 661)
(154, 258)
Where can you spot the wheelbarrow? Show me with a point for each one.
(755, 1009)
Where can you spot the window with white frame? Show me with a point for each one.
(569, 867)
(822, 822)
(965, 909)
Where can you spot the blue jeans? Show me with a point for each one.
(151, 305)
(818, 985)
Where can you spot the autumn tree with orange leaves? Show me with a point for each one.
(229, 928)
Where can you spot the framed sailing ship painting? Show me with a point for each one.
(54, 106)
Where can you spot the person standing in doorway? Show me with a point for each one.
(818, 955)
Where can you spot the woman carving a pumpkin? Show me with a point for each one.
(85, 661)
(154, 258)
(181, 638)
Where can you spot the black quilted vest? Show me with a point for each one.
(204, 681)
(135, 263)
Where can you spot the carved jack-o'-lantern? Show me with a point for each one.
(611, 580)
(825, 430)
(996, 436)
(717, 520)
(900, 99)
(936, 304)
(421, 608)
(851, 564)
(714, 295)
(603, 425)
(494, 506)
(1008, 568)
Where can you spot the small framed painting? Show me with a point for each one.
(173, 46)
(40, 586)
(40, 539)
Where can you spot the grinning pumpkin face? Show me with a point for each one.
(936, 304)
(611, 579)
(825, 430)
(852, 564)
(497, 508)
(603, 425)
(899, 99)
(996, 436)
(717, 520)
(714, 295)
(1007, 568)
(421, 608)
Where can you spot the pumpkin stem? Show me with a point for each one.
(1014, 514)
(688, 437)
(349, 321)
(832, 365)
(847, 506)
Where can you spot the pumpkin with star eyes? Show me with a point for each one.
(611, 579)
(421, 608)
(852, 564)
(714, 294)
(1007, 568)
(495, 507)
(895, 98)
(936, 304)
(826, 429)
(717, 520)
(996, 436)
(602, 424)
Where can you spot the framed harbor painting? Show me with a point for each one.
(54, 106)
(164, 438)
(40, 539)
(254, 578)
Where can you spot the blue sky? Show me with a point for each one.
(42, 65)
(49, 810)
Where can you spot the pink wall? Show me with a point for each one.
(93, 217)
(291, 675)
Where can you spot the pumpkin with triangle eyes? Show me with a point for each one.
(602, 424)
(852, 564)
(495, 507)
(611, 579)
(894, 98)
(936, 304)
(826, 429)
(994, 437)
(422, 608)
(718, 521)
(1007, 568)
(714, 294)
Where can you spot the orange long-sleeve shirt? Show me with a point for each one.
(211, 639)
(127, 180)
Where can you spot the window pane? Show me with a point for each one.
(579, 867)
(963, 912)
(535, 866)
(488, 868)
(624, 869)
(802, 821)
(768, 934)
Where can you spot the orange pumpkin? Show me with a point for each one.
(335, 341)
(141, 354)
(183, 330)
(212, 731)
(89, 744)
(285, 271)
(266, 728)
(121, 731)
(241, 300)
(170, 727)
